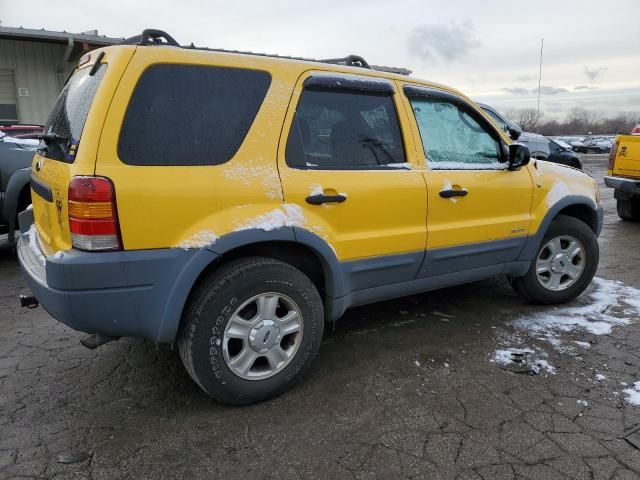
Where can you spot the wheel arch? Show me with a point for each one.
(577, 206)
(17, 189)
(293, 245)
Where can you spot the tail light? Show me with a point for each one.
(612, 153)
(93, 218)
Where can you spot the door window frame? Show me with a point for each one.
(346, 82)
(420, 91)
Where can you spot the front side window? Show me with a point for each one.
(453, 139)
(190, 114)
(335, 130)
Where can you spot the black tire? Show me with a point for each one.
(530, 288)
(629, 209)
(217, 299)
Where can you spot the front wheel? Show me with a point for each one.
(564, 265)
(252, 330)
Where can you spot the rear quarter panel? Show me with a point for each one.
(189, 206)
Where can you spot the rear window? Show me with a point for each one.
(190, 115)
(66, 121)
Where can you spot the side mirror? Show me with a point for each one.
(514, 131)
(519, 156)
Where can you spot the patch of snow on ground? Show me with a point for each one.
(201, 239)
(600, 377)
(522, 359)
(287, 215)
(582, 344)
(606, 304)
(633, 394)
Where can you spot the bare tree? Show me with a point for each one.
(527, 118)
(582, 120)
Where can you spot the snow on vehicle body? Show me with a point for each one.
(232, 203)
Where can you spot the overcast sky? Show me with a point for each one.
(488, 49)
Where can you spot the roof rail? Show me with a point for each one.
(350, 61)
(159, 37)
(151, 36)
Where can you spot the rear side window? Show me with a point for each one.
(66, 121)
(335, 130)
(190, 115)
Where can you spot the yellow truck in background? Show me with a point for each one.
(624, 175)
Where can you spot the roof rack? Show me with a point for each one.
(154, 37)
(350, 61)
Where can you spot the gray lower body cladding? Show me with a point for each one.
(142, 293)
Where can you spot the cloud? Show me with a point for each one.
(517, 90)
(593, 73)
(446, 42)
(544, 90)
(547, 90)
(526, 78)
(584, 87)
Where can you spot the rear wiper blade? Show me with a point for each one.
(53, 138)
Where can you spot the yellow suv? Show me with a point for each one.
(231, 203)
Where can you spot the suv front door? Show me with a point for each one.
(344, 160)
(478, 211)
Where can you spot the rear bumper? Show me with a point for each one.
(132, 293)
(625, 185)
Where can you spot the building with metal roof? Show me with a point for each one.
(34, 65)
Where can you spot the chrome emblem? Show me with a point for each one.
(38, 165)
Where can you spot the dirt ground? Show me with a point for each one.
(408, 388)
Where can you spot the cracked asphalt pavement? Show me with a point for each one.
(401, 389)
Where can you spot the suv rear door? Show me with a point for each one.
(347, 158)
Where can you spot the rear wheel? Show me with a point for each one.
(252, 330)
(564, 265)
(629, 209)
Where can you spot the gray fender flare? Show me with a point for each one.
(203, 258)
(330, 264)
(16, 184)
(533, 242)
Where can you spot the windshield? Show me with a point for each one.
(65, 124)
(494, 116)
(563, 144)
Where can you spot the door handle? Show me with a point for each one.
(450, 193)
(322, 198)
